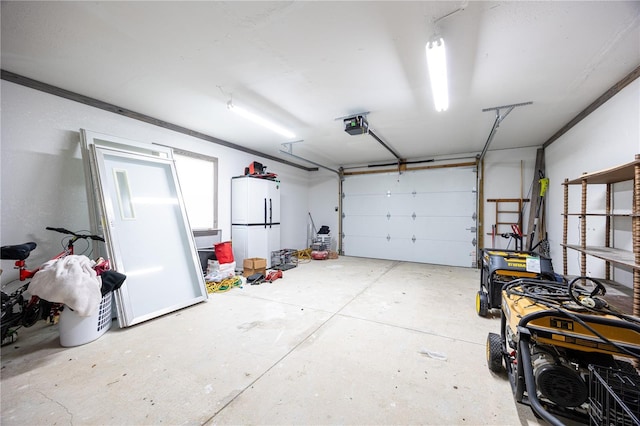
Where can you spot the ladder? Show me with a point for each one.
(508, 214)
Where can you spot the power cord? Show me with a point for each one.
(304, 256)
(224, 285)
(555, 296)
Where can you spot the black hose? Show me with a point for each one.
(599, 288)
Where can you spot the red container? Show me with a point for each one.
(224, 252)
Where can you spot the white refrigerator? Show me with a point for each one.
(255, 218)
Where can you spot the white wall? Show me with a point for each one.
(42, 176)
(508, 173)
(323, 201)
(608, 137)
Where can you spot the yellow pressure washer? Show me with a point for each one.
(567, 352)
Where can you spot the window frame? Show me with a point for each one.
(214, 161)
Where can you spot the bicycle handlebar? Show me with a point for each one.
(85, 236)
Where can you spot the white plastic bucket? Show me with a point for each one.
(76, 330)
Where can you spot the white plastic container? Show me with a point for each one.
(76, 330)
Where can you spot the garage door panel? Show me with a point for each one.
(439, 253)
(366, 225)
(401, 227)
(358, 186)
(444, 228)
(450, 179)
(381, 248)
(442, 254)
(363, 246)
(440, 204)
(400, 204)
(361, 184)
(420, 216)
(365, 204)
(396, 248)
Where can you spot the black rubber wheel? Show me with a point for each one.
(482, 303)
(494, 352)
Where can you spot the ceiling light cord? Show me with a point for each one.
(460, 9)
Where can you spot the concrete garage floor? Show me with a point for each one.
(346, 341)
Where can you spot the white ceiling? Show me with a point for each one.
(305, 64)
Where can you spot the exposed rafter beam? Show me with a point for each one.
(615, 89)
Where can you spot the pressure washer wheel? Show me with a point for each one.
(494, 352)
(482, 303)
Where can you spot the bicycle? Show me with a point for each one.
(17, 312)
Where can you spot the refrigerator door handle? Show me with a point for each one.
(270, 213)
(265, 213)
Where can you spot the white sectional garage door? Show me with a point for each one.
(423, 216)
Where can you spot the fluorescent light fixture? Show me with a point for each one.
(437, 62)
(261, 121)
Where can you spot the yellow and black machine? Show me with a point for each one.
(567, 352)
(501, 266)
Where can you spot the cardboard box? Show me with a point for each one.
(254, 265)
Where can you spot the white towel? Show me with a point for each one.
(70, 280)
